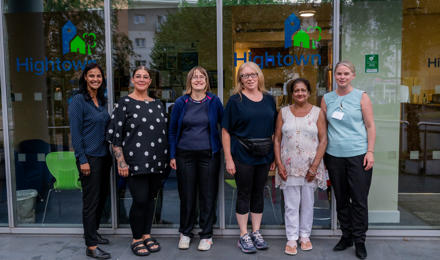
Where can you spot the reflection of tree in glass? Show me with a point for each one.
(88, 16)
(186, 28)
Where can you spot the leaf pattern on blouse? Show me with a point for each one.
(299, 144)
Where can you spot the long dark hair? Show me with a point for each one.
(83, 84)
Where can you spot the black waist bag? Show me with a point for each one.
(257, 146)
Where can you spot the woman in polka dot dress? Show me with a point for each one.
(137, 132)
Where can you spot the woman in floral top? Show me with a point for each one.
(300, 143)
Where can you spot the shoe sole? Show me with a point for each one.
(245, 250)
(288, 253)
(104, 257)
(306, 249)
(184, 247)
(341, 249)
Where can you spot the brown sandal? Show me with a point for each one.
(290, 250)
(306, 246)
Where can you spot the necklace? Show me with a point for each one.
(198, 100)
(297, 132)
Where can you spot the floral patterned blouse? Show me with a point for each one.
(298, 148)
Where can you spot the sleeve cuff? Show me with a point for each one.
(83, 159)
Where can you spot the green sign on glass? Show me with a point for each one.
(371, 63)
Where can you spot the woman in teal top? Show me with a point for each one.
(350, 155)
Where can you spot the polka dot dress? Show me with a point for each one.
(139, 127)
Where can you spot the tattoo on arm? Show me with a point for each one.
(122, 165)
(119, 155)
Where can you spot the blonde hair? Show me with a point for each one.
(239, 85)
(191, 74)
(347, 64)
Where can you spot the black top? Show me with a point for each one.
(246, 118)
(195, 127)
(87, 127)
(139, 127)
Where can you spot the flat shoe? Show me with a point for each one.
(205, 244)
(184, 242)
(102, 240)
(290, 250)
(343, 244)
(97, 253)
(306, 246)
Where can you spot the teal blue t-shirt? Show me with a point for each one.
(346, 137)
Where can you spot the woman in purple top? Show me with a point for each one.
(195, 154)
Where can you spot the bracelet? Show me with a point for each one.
(370, 151)
(312, 173)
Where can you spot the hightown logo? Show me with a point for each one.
(292, 33)
(71, 43)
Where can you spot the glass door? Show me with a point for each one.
(287, 40)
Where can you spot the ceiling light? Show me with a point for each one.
(307, 13)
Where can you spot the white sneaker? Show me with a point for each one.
(184, 242)
(205, 244)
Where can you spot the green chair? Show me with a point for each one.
(62, 165)
(231, 182)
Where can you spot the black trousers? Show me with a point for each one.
(351, 184)
(95, 189)
(197, 171)
(143, 189)
(250, 180)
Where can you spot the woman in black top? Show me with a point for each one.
(138, 135)
(250, 113)
(88, 119)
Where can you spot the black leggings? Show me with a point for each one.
(197, 171)
(143, 189)
(250, 181)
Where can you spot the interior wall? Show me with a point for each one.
(420, 41)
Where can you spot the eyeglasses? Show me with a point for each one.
(139, 77)
(195, 77)
(250, 75)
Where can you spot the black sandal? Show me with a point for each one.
(150, 243)
(136, 247)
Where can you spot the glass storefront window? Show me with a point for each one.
(404, 89)
(170, 39)
(47, 46)
(393, 44)
(268, 35)
(3, 193)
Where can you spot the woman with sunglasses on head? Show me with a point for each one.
(88, 119)
(350, 155)
(137, 133)
(248, 127)
(300, 142)
(195, 155)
